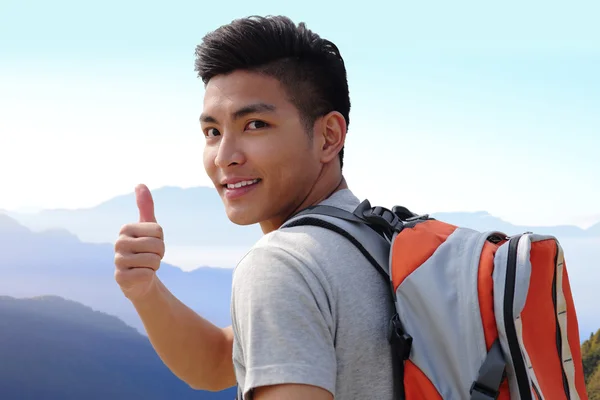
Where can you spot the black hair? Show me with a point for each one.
(309, 67)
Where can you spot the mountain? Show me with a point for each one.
(189, 217)
(55, 261)
(590, 351)
(58, 263)
(195, 217)
(483, 221)
(56, 349)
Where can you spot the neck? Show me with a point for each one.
(321, 191)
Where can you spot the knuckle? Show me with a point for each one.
(121, 244)
(120, 260)
(153, 261)
(121, 277)
(125, 229)
(154, 245)
(118, 274)
(145, 244)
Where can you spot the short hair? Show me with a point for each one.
(310, 68)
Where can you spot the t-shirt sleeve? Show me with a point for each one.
(282, 321)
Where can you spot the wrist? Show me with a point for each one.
(151, 293)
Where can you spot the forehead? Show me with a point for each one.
(228, 92)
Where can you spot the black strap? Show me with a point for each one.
(491, 374)
(380, 219)
(340, 231)
(401, 343)
(331, 211)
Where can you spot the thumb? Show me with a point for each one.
(145, 204)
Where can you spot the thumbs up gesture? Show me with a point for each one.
(139, 249)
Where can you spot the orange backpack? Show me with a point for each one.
(479, 316)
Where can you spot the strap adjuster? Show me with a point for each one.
(379, 216)
(401, 341)
(484, 390)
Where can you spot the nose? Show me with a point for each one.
(229, 152)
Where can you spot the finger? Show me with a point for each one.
(141, 260)
(139, 230)
(145, 203)
(136, 245)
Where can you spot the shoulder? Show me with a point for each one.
(283, 315)
(297, 250)
(304, 245)
(301, 260)
(286, 254)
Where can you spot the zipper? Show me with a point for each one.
(509, 321)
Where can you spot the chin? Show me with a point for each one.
(245, 210)
(241, 217)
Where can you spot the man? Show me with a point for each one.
(309, 313)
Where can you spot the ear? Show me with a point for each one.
(331, 135)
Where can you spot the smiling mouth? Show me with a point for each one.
(238, 185)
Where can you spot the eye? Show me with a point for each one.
(211, 132)
(256, 124)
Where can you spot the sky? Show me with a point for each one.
(461, 106)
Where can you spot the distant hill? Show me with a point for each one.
(189, 217)
(483, 221)
(56, 349)
(195, 216)
(54, 259)
(56, 262)
(590, 351)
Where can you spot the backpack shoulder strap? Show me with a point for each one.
(372, 244)
(371, 230)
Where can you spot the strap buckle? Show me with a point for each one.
(401, 341)
(379, 216)
(486, 392)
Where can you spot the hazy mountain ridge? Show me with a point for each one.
(483, 221)
(53, 348)
(55, 261)
(189, 217)
(68, 312)
(58, 263)
(195, 216)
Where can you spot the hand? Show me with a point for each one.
(139, 249)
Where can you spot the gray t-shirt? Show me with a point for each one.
(308, 308)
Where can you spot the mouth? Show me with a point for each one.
(242, 184)
(237, 190)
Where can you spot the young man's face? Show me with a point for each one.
(255, 138)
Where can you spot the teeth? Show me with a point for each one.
(240, 184)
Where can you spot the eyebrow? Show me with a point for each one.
(242, 112)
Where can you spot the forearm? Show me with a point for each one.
(194, 349)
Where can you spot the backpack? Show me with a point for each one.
(479, 316)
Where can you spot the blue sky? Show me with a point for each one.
(469, 106)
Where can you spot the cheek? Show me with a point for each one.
(267, 154)
(293, 160)
(208, 157)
